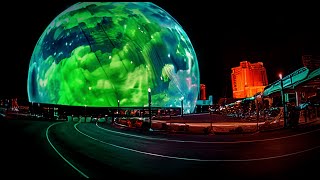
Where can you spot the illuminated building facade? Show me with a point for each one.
(203, 93)
(248, 79)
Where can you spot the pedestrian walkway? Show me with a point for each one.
(214, 124)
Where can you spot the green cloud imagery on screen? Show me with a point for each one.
(96, 53)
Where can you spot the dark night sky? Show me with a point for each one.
(222, 36)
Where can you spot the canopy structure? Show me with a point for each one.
(312, 80)
(288, 81)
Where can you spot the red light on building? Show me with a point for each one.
(203, 93)
(248, 79)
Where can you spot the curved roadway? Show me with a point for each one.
(88, 150)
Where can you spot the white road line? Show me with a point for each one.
(205, 142)
(47, 134)
(193, 159)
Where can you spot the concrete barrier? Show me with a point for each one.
(103, 120)
(88, 119)
(75, 119)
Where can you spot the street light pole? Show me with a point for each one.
(257, 111)
(118, 109)
(149, 100)
(283, 102)
(85, 113)
(32, 109)
(182, 106)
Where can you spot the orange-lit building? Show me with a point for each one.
(203, 94)
(248, 79)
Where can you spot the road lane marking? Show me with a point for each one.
(193, 159)
(205, 142)
(68, 162)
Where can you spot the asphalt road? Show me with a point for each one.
(89, 150)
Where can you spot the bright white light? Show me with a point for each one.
(280, 76)
(149, 89)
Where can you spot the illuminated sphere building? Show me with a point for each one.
(96, 53)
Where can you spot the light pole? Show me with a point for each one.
(85, 112)
(181, 99)
(283, 102)
(257, 111)
(32, 111)
(149, 100)
(118, 108)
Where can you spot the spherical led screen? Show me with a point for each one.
(96, 53)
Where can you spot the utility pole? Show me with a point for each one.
(283, 102)
(182, 106)
(149, 100)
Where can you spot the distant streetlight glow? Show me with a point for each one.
(280, 76)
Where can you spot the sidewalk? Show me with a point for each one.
(208, 124)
